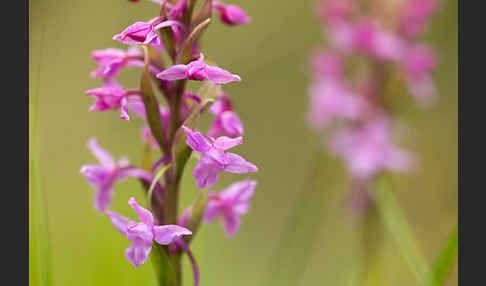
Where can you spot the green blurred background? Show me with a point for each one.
(296, 233)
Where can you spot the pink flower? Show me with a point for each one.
(226, 122)
(103, 176)
(215, 160)
(366, 37)
(177, 10)
(198, 70)
(230, 14)
(330, 100)
(415, 15)
(327, 64)
(369, 150)
(111, 61)
(144, 33)
(143, 233)
(417, 65)
(230, 204)
(112, 97)
(335, 11)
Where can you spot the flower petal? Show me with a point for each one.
(220, 76)
(206, 172)
(225, 143)
(101, 154)
(165, 234)
(138, 252)
(231, 223)
(119, 222)
(144, 214)
(196, 140)
(173, 73)
(238, 165)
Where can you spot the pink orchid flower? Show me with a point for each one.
(230, 204)
(230, 14)
(143, 233)
(215, 160)
(198, 70)
(415, 15)
(102, 177)
(329, 100)
(369, 150)
(226, 121)
(417, 65)
(143, 33)
(112, 97)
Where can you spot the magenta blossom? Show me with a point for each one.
(215, 160)
(111, 61)
(415, 15)
(143, 33)
(112, 97)
(366, 37)
(335, 11)
(226, 122)
(198, 70)
(231, 14)
(230, 204)
(143, 233)
(103, 176)
(329, 100)
(417, 65)
(369, 150)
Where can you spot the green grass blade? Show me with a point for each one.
(39, 254)
(445, 262)
(397, 225)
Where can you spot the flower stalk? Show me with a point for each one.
(172, 127)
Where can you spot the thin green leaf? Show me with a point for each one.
(186, 56)
(445, 262)
(181, 152)
(398, 226)
(204, 13)
(152, 105)
(209, 91)
(197, 213)
(154, 182)
(39, 251)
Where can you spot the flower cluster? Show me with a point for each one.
(172, 127)
(368, 50)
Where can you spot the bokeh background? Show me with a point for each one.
(297, 233)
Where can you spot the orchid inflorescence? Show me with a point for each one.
(175, 36)
(370, 50)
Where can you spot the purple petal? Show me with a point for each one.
(231, 124)
(173, 73)
(224, 143)
(165, 234)
(206, 172)
(231, 223)
(123, 109)
(212, 211)
(101, 154)
(220, 76)
(144, 214)
(135, 173)
(196, 140)
(138, 252)
(97, 176)
(119, 222)
(102, 198)
(238, 165)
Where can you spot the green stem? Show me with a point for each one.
(396, 223)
